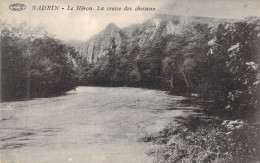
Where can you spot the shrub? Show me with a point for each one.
(200, 139)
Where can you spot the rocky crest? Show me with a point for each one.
(98, 45)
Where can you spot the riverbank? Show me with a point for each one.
(206, 136)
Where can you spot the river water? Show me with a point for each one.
(91, 124)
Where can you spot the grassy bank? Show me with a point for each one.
(199, 137)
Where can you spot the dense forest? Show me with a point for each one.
(34, 64)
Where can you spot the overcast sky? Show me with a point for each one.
(81, 25)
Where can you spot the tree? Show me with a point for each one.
(34, 65)
(238, 45)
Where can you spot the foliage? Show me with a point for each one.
(238, 45)
(34, 65)
(201, 139)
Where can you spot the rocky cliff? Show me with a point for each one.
(160, 25)
(97, 46)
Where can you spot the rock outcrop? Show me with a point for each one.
(98, 45)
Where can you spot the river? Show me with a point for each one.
(91, 124)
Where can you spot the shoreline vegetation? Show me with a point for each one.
(216, 67)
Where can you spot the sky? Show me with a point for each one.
(81, 25)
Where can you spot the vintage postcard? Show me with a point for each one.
(129, 81)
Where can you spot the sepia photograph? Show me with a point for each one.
(130, 81)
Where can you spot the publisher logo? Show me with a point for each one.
(17, 7)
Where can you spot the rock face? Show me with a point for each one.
(98, 45)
